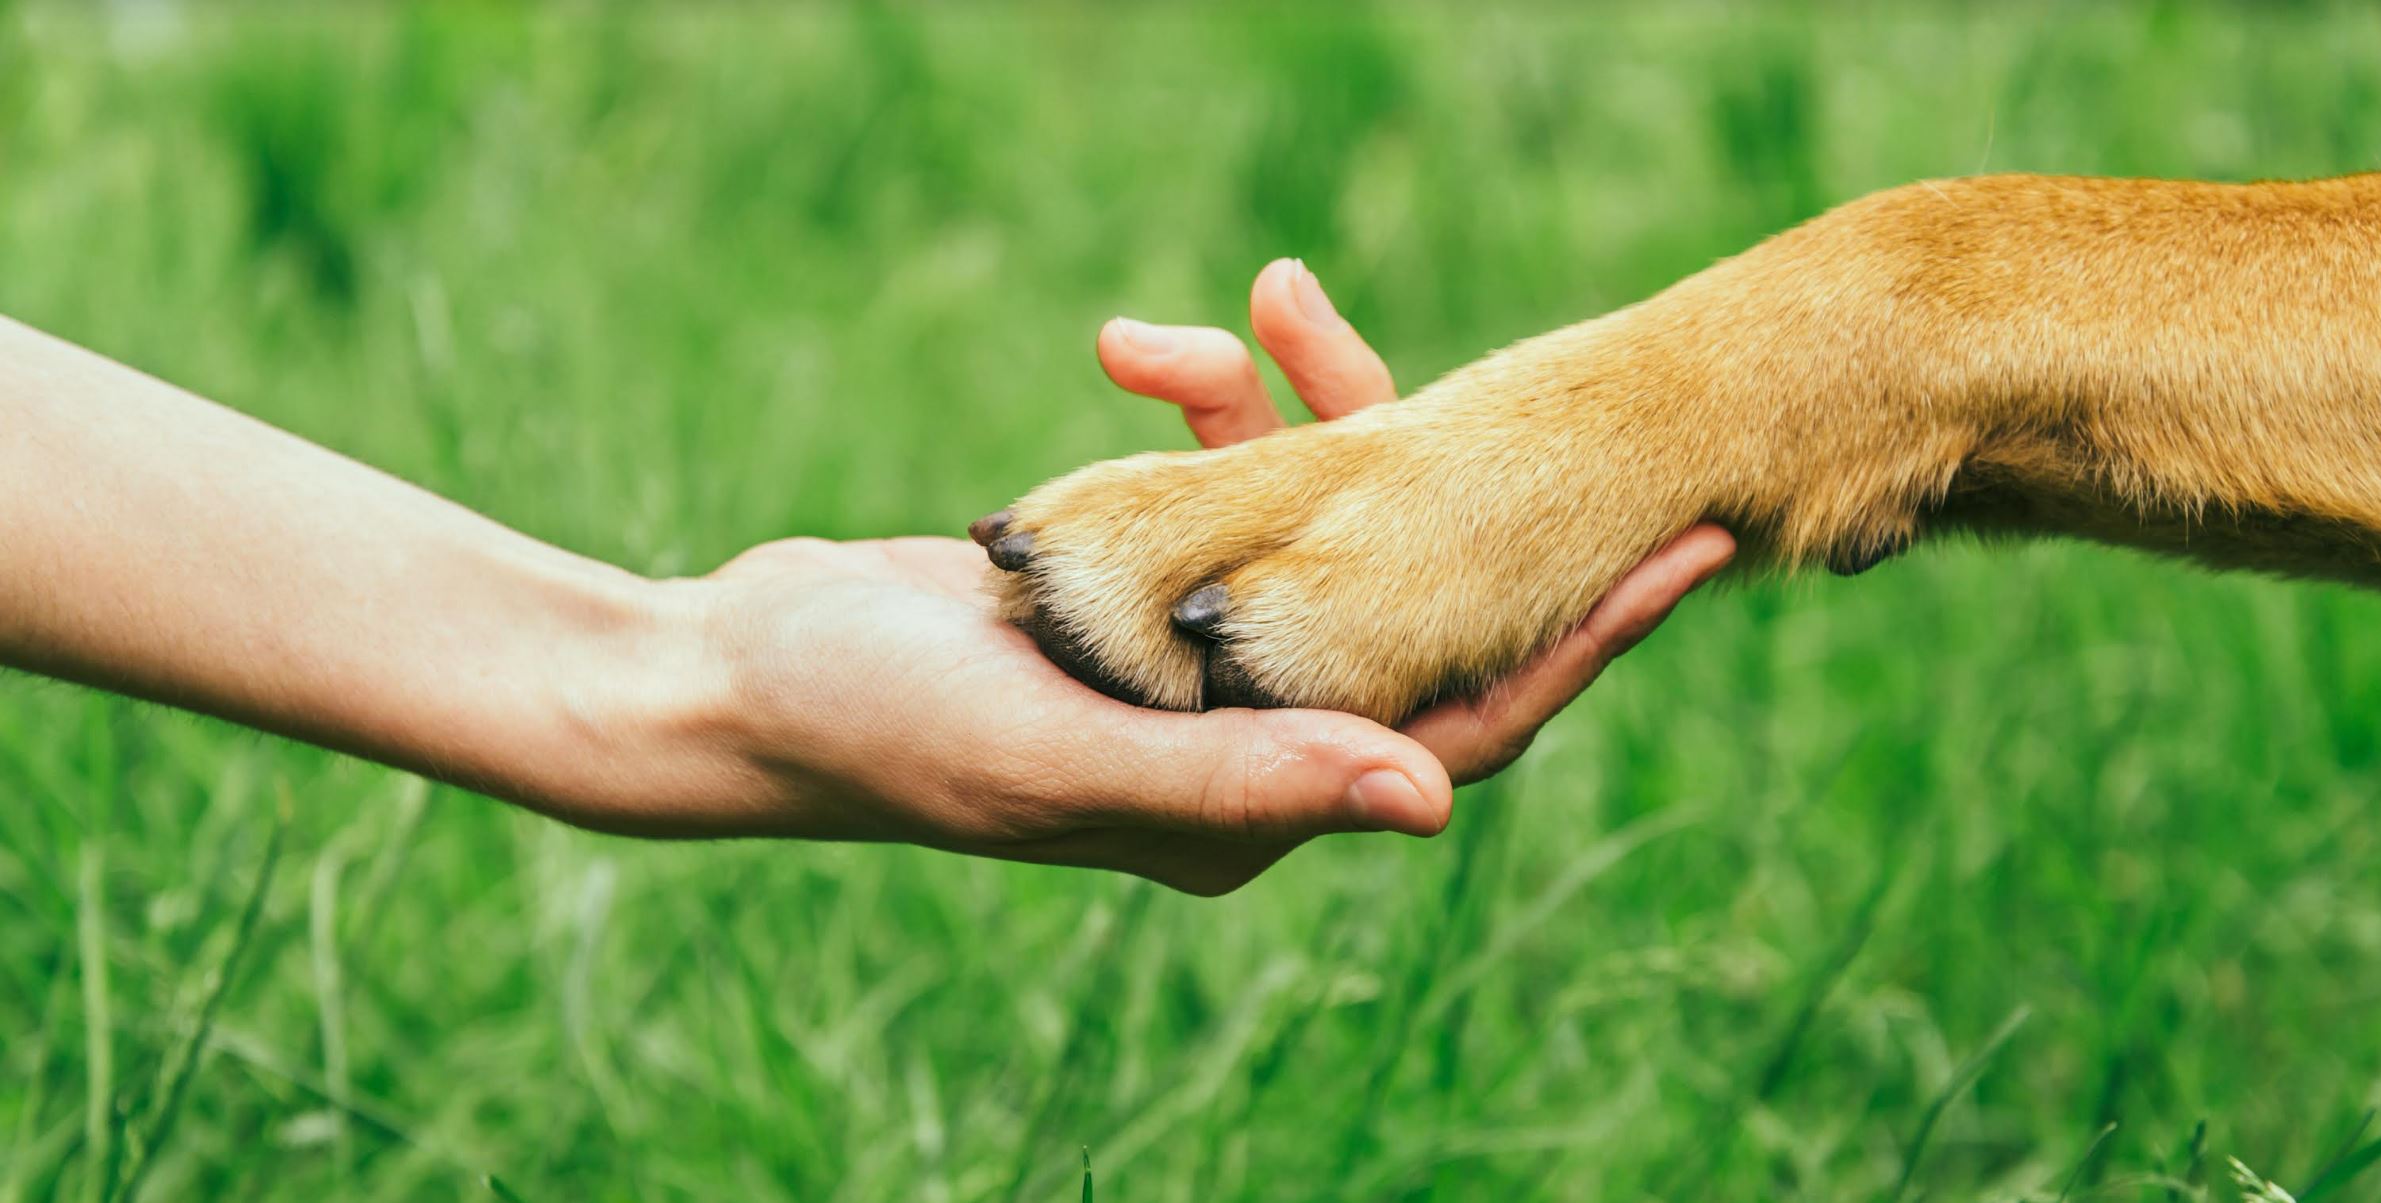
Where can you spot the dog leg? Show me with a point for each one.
(2186, 367)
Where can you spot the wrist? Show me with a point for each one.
(594, 695)
(643, 736)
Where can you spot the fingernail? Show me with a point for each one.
(1311, 300)
(1384, 800)
(1141, 336)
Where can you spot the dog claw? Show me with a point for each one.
(987, 528)
(1011, 553)
(1202, 612)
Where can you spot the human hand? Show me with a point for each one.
(875, 696)
(166, 547)
(879, 698)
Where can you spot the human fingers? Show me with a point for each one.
(1206, 371)
(1477, 737)
(1244, 775)
(1333, 369)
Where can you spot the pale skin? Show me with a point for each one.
(154, 543)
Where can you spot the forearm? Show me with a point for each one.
(157, 544)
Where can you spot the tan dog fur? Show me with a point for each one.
(2190, 368)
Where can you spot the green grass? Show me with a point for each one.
(1904, 887)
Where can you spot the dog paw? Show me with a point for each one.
(1423, 548)
(1412, 552)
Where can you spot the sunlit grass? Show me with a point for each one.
(1753, 921)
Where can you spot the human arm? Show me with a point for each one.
(158, 544)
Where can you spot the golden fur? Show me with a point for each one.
(2190, 368)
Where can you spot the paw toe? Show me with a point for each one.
(1224, 682)
(1068, 651)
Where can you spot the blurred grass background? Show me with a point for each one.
(2041, 873)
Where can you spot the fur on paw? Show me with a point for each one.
(1371, 565)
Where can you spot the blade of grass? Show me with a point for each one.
(49, 1156)
(101, 1120)
(1476, 841)
(1077, 1052)
(1822, 984)
(1721, 1135)
(2194, 1161)
(21, 1147)
(1467, 974)
(323, 930)
(99, 1052)
(1964, 1077)
(1336, 934)
(179, 1067)
(273, 1071)
(394, 848)
(2345, 1165)
(2341, 1172)
(2083, 1163)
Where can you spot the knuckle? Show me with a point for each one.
(1230, 800)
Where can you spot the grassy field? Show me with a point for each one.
(2035, 873)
